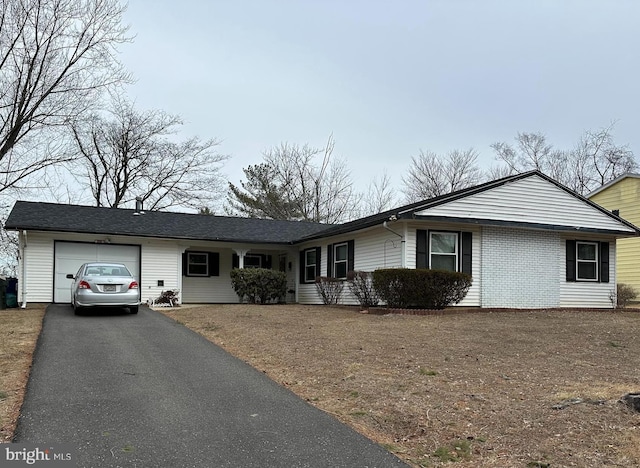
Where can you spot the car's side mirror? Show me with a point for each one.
(70, 276)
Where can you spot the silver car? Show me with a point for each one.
(104, 285)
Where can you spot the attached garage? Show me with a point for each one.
(69, 256)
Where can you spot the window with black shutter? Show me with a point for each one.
(201, 264)
(587, 261)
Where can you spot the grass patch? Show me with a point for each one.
(427, 372)
(457, 451)
(18, 335)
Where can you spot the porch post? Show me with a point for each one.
(241, 253)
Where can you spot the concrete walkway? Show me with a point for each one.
(144, 391)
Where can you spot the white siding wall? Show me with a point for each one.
(472, 299)
(373, 249)
(521, 268)
(159, 261)
(215, 289)
(527, 269)
(379, 248)
(588, 294)
(530, 200)
(38, 261)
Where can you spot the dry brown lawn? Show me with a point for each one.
(19, 330)
(493, 389)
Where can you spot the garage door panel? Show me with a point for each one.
(69, 256)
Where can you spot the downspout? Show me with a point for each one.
(23, 280)
(402, 241)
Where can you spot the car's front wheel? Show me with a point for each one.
(133, 309)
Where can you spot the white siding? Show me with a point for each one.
(160, 261)
(214, 289)
(530, 200)
(378, 248)
(520, 268)
(38, 262)
(588, 294)
(472, 299)
(373, 249)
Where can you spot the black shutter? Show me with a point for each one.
(422, 253)
(330, 261)
(214, 264)
(185, 264)
(318, 258)
(266, 262)
(467, 243)
(235, 261)
(571, 260)
(604, 262)
(350, 255)
(302, 265)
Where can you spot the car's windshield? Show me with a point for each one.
(106, 270)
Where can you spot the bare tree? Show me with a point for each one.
(130, 155)
(56, 58)
(379, 197)
(594, 161)
(431, 175)
(296, 182)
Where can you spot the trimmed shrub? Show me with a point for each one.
(329, 289)
(259, 285)
(361, 286)
(423, 289)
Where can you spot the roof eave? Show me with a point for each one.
(525, 225)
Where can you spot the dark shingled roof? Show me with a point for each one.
(41, 216)
(115, 221)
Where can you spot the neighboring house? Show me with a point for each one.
(622, 196)
(527, 241)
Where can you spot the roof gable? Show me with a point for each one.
(534, 200)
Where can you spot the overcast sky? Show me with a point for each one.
(387, 78)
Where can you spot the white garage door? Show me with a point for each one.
(70, 255)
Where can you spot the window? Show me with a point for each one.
(252, 261)
(201, 264)
(587, 261)
(197, 264)
(340, 260)
(443, 251)
(310, 264)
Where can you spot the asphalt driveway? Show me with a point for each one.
(144, 391)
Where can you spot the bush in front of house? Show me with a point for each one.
(424, 289)
(361, 286)
(329, 289)
(259, 285)
(625, 293)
